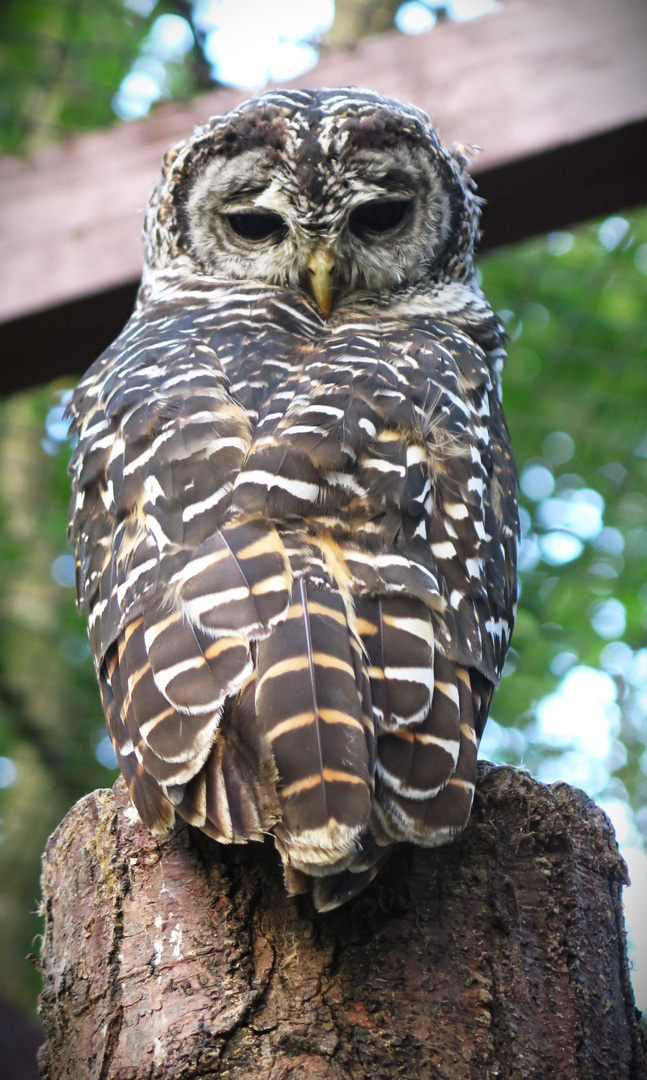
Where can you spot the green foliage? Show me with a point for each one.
(577, 363)
(62, 61)
(50, 718)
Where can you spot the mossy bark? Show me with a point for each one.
(502, 955)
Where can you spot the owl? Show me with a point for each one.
(293, 497)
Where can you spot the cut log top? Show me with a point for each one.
(501, 955)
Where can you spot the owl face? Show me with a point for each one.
(342, 194)
(378, 224)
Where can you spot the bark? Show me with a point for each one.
(502, 955)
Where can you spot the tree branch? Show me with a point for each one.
(501, 955)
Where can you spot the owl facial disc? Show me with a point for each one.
(290, 182)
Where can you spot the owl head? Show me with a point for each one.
(341, 193)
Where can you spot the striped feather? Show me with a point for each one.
(146, 794)
(310, 706)
(417, 760)
(171, 744)
(398, 637)
(434, 817)
(237, 582)
(193, 672)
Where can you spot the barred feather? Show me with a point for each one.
(310, 706)
(431, 799)
(147, 795)
(398, 637)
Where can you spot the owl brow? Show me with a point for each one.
(398, 180)
(246, 191)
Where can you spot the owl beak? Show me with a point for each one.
(320, 268)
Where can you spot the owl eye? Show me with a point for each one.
(378, 216)
(256, 224)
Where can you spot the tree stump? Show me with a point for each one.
(501, 955)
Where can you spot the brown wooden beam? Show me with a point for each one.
(561, 187)
(555, 92)
(524, 198)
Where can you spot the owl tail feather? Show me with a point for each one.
(398, 639)
(341, 883)
(311, 703)
(234, 796)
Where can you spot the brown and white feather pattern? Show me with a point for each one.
(295, 541)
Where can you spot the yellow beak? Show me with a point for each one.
(320, 268)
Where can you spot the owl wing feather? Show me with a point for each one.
(175, 592)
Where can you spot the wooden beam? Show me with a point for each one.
(555, 93)
(566, 185)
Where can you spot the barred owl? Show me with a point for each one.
(293, 502)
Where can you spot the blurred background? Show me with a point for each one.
(573, 702)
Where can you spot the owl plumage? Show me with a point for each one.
(293, 503)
